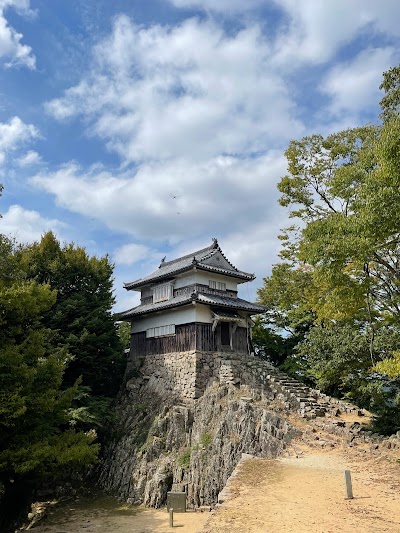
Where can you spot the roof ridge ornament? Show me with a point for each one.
(214, 242)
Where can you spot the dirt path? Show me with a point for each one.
(306, 494)
(303, 492)
(104, 514)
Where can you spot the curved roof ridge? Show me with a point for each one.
(227, 260)
(181, 264)
(187, 256)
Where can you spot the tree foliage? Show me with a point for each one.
(36, 440)
(340, 275)
(81, 319)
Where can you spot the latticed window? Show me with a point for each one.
(217, 285)
(162, 292)
(161, 331)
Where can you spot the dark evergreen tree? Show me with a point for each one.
(37, 442)
(81, 319)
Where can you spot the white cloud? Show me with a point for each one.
(204, 113)
(353, 86)
(128, 254)
(12, 51)
(223, 6)
(29, 159)
(27, 225)
(317, 30)
(13, 134)
(173, 200)
(160, 92)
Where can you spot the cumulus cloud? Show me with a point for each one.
(161, 92)
(201, 114)
(353, 86)
(27, 225)
(29, 159)
(222, 6)
(12, 51)
(13, 134)
(173, 200)
(315, 31)
(128, 254)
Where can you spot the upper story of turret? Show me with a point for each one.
(204, 272)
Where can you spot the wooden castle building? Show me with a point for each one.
(191, 304)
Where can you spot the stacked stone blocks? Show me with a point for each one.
(186, 375)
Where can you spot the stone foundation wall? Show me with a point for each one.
(186, 375)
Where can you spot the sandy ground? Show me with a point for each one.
(104, 514)
(303, 492)
(307, 494)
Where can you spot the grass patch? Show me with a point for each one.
(205, 440)
(184, 458)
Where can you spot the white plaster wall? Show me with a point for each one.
(203, 314)
(188, 278)
(204, 277)
(182, 315)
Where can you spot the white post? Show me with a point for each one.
(349, 488)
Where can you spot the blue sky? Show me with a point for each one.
(145, 128)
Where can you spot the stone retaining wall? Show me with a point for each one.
(185, 376)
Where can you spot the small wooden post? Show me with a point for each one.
(171, 517)
(349, 488)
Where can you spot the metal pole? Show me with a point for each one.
(349, 488)
(171, 517)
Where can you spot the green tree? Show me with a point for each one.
(341, 271)
(390, 103)
(284, 294)
(124, 333)
(288, 316)
(81, 318)
(339, 362)
(36, 440)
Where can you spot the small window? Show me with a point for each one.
(161, 292)
(161, 331)
(217, 285)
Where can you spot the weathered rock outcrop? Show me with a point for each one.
(160, 444)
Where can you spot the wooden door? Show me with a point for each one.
(225, 334)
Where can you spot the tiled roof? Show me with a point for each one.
(207, 299)
(187, 262)
(150, 308)
(232, 303)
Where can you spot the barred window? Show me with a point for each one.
(161, 331)
(217, 285)
(162, 292)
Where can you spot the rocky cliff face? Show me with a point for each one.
(160, 444)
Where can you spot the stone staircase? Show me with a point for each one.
(227, 373)
(296, 396)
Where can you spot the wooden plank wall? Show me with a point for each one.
(205, 338)
(184, 340)
(194, 336)
(240, 340)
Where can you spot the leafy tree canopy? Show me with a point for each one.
(340, 276)
(36, 440)
(81, 318)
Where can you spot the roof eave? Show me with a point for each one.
(143, 282)
(155, 310)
